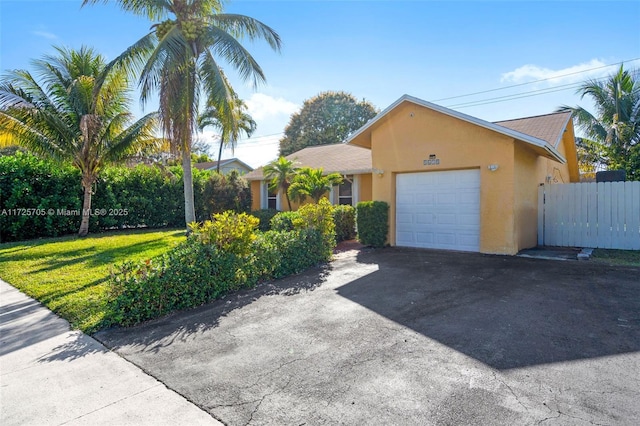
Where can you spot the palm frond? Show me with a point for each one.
(240, 26)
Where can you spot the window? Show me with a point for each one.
(272, 199)
(269, 199)
(345, 191)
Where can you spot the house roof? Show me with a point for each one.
(548, 127)
(544, 147)
(340, 158)
(209, 165)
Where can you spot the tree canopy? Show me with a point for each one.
(327, 118)
(181, 59)
(312, 183)
(613, 132)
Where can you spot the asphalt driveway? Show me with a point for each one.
(400, 336)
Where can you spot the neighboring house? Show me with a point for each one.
(352, 162)
(452, 181)
(225, 166)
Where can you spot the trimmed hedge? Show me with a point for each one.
(149, 196)
(219, 257)
(283, 221)
(372, 218)
(29, 187)
(345, 219)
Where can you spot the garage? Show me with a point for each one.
(439, 210)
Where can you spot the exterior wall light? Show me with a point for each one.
(378, 172)
(493, 167)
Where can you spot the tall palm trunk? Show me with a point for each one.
(189, 204)
(286, 194)
(86, 205)
(220, 154)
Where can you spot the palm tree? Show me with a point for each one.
(312, 183)
(177, 59)
(75, 112)
(231, 118)
(613, 133)
(280, 173)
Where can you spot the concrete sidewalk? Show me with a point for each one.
(51, 375)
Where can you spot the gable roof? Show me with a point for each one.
(208, 165)
(339, 158)
(548, 127)
(541, 145)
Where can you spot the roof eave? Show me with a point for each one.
(564, 129)
(479, 122)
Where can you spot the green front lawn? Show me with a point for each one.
(69, 274)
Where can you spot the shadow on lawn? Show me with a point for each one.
(506, 312)
(182, 325)
(92, 256)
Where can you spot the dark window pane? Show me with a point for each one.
(345, 189)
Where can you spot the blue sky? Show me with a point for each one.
(377, 50)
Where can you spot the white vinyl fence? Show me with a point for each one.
(598, 215)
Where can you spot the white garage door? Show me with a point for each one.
(439, 210)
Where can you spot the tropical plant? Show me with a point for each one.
(280, 174)
(177, 59)
(613, 132)
(327, 118)
(76, 111)
(312, 183)
(231, 119)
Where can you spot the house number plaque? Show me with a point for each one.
(432, 161)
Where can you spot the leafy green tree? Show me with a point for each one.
(178, 60)
(312, 183)
(231, 119)
(280, 173)
(327, 118)
(76, 111)
(613, 132)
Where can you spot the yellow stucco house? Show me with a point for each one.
(452, 181)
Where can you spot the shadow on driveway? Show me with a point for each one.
(156, 334)
(506, 312)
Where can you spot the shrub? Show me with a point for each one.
(372, 219)
(188, 276)
(319, 217)
(283, 221)
(344, 218)
(283, 253)
(229, 232)
(222, 193)
(265, 216)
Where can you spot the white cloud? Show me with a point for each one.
(271, 115)
(262, 107)
(45, 34)
(572, 74)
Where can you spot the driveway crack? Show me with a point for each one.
(495, 376)
(261, 400)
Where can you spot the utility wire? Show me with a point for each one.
(532, 82)
(522, 94)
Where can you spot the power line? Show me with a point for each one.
(520, 95)
(532, 82)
